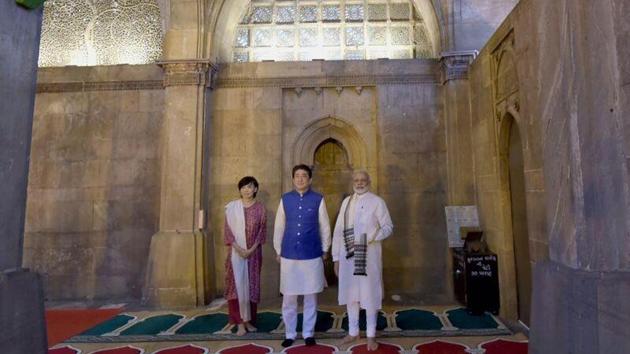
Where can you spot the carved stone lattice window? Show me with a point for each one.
(102, 32)
(301, 30)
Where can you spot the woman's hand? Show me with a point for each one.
(336, 267)
(240, 251)
(250, 251)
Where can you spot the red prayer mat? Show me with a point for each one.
(184, 349)
(502, 346)
(63, 324)
(120, 350)
(246, 349)
(64, 350)
(315, 349)
(383, 348)
(439, 347)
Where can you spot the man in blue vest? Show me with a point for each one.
(301, 239)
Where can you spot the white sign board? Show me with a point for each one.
(457, 217)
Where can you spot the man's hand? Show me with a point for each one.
(278, 258)
(336, 267)
(325, 256)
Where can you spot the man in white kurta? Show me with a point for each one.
(366, 213)
(301, 239)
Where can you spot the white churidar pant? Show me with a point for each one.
(353, 320)
(289, 315)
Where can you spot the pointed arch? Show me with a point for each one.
(317, 132)
(511, 146)
(304, 146)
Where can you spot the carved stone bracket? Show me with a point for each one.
(510, 105)
(455, 65)
(189, 72)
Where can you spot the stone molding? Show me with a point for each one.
(188, 73)
(504, 76)
(318, 82)
(455, 65)
(83, 86)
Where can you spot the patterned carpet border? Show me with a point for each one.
(442, 346)
(169, 332)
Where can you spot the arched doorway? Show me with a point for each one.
(518, 210)
(331, 177)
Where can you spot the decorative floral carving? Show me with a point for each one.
(100, 32)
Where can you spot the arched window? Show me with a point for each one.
(100, 32)
(304, 30)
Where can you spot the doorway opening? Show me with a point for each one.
(331, 178)
(518, 206)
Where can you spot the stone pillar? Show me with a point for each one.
(21, 296)
(176, 270)
(457, 114)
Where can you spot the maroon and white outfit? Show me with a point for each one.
(244, 226)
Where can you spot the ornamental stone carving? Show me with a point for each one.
(188, 72)
(455, 65)
(327, 81)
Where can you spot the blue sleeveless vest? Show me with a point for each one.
(301, 234)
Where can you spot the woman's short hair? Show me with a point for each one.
(247, 180)
(302, 167)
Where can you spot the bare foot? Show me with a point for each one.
(250, 327)
(348, 339)
(372, 344)
(241, 330)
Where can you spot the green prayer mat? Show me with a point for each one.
(460, 318)
(324, 322)
(203, 326)
(206, 324)
(152, 325)
(414, 319)
(381, 321)
(108, 326)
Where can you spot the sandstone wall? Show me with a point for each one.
(93, 194)
(269, 116)
(566, 88)
(497, 99)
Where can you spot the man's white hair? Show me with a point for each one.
(363, 172)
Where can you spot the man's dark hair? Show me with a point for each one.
(248, 180)
(302, 167)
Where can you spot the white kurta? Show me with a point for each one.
(369, 216)
(302, 277)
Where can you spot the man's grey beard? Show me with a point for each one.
(360, 190)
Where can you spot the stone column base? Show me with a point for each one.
(579, 312)
(175, 271)
(22, 324)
